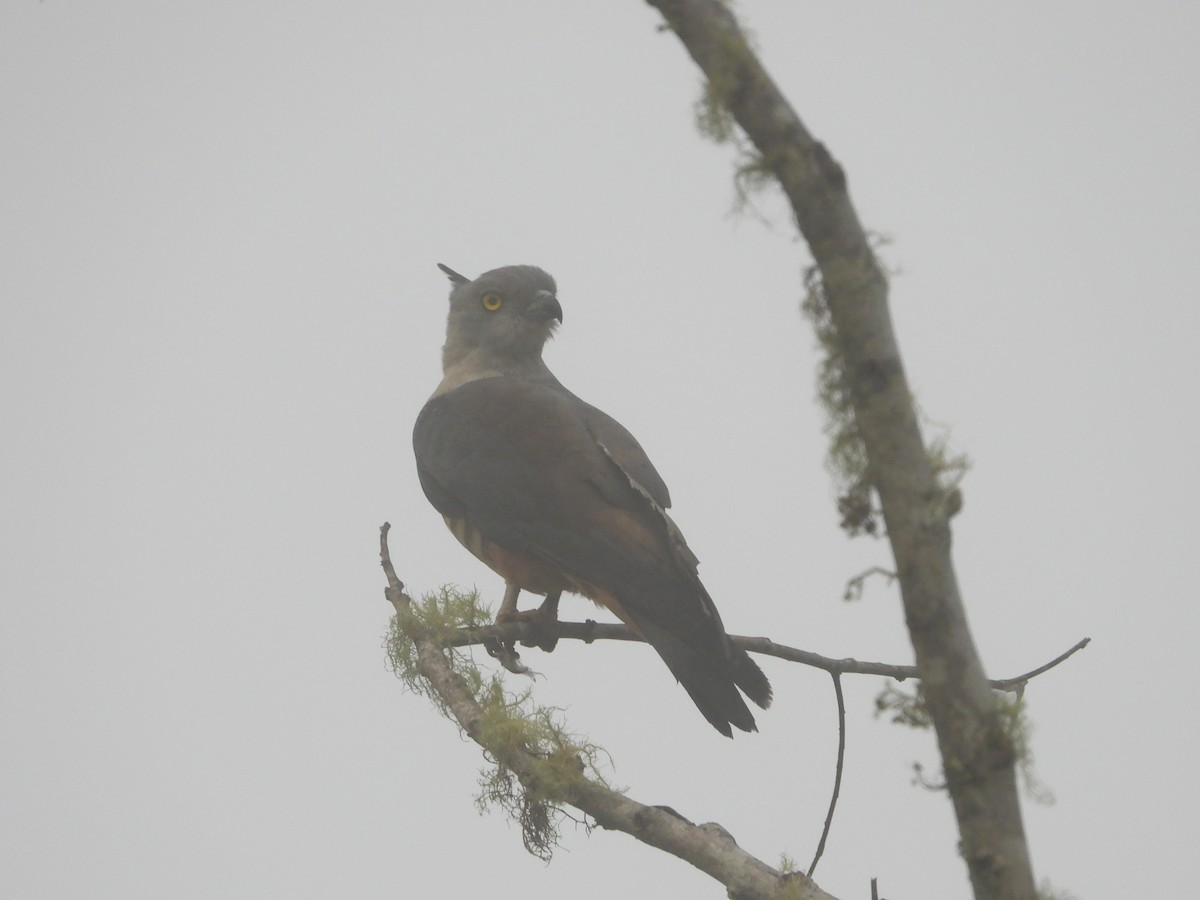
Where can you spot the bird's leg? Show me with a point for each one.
(508, 606)
(544, 619)
(506, 651)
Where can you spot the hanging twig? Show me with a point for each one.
(837, 778)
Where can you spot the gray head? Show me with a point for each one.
(502, 319)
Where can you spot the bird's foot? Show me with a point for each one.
(543, 623)
(506, 654)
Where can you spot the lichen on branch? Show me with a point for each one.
(510, 724)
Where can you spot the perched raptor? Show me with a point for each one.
(554, 495)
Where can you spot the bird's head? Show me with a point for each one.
(502, 319)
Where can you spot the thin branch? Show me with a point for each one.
(856, 585)
(837, 778)
(708, 847)
(590, 631)
(1017, 684)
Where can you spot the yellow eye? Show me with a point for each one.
(492, 302)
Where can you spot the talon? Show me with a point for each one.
(507, 655)
(543, 622)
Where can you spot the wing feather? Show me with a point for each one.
(539, 472)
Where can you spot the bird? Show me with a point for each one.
(555, 495)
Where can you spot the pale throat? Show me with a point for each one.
(462, 366)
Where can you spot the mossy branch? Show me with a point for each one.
(553, 770)
(537, 770)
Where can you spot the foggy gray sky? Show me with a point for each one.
(220, 314)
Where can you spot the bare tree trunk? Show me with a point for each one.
(976, 750)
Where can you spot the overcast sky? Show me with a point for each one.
(220, 315)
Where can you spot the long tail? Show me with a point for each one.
(712, 679)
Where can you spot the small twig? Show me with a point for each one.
(837, 778)
(1018, 684)
(385, 560)
(856, 585)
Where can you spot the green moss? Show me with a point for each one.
(438, 613)
(794, 883)
(949, 468)
(512, 726)
(903, 708)
(846, 457)
(714, 121)
(1011, 741)
(1018, 731)
(714, 118)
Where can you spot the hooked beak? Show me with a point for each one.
(545, 306)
